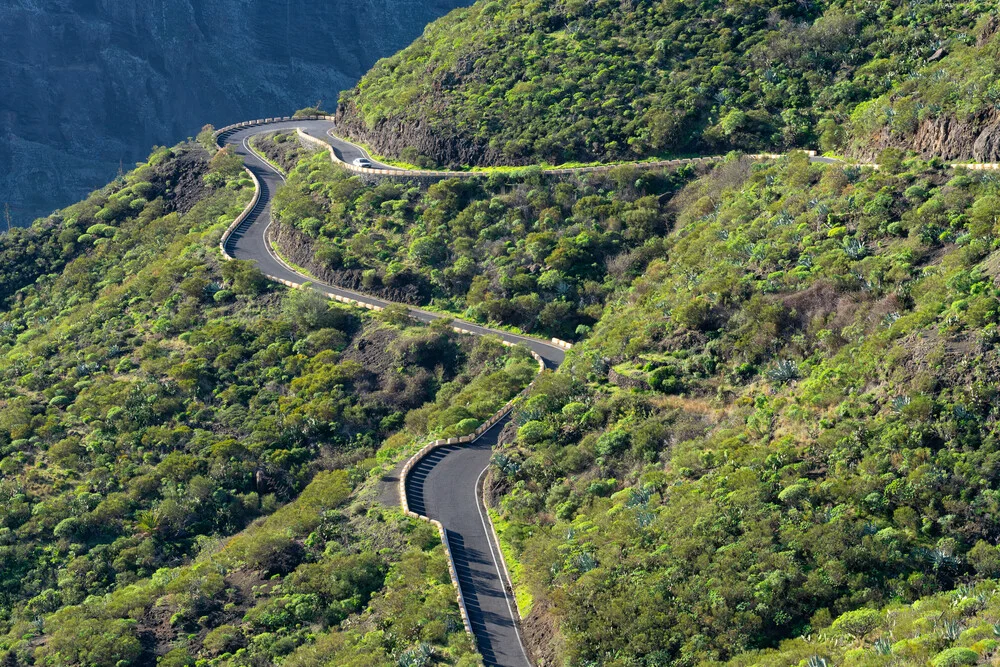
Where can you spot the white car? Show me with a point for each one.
(363, 162)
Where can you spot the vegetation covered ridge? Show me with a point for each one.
(779, 414)
(530, 81)
(190, 459)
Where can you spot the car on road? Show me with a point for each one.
(363, 162)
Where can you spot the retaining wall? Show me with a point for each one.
(241, 217)
(461, 440)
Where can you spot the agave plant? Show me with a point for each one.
(785, 370)
(638, 497)
(816, 661)
(899, 403)
(854, 248)
(507, 466)
(882, 646)
(418, 656)
(951, 630)
(586, 562)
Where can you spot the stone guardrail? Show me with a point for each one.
(976, 166)
(403, 173)
(217, 134)
(461, 440)
(241, 217)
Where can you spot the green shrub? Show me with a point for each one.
(955, 657)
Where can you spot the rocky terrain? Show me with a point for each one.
(89, 85)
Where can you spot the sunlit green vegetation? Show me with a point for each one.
(189, 455)
(529, 81)
(530, 252)
(961, 87)
(811, 427)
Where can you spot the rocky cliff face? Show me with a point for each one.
(86, 85)
(395, 137)
(976, 139)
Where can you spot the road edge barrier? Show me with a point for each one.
(241, 217)
(462, 440)
(396, 172)
(483, 428)
(428, 173)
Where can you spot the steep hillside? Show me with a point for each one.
(520, 250)
(789, 416)
(189, 457)
(89, 85)
(521, 82)
(950, 109)
(783, 413)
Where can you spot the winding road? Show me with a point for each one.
(446, 484)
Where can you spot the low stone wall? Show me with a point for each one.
(438, 174)
(977, 166)
(241, 217)
(465, 439)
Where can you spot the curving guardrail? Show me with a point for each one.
(241, 217)
(217, 134)
(461, 440)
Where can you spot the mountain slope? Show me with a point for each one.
(525, 81)
(787, 417)
(184, 448)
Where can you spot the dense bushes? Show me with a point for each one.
(818, 432)
(947, 109)
(525, 82)
(144, 420)
(523, 251)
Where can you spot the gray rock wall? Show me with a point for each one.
(86, 85)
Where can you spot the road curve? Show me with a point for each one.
(446, 484)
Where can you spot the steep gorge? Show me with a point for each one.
(162, 69)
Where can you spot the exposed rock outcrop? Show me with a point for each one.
(627, 381)
(976, 139)
(445, 148)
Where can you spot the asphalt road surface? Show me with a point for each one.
(444, 486)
